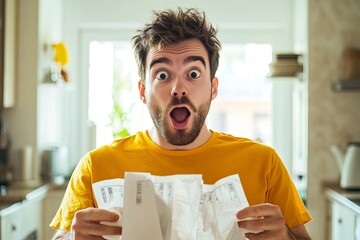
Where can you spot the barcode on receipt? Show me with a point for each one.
(107, 194)
(138, 192)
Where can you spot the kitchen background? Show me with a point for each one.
(320, 30)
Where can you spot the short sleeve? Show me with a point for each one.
(282, 192)
(78, 195)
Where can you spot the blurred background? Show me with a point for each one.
(69, 85)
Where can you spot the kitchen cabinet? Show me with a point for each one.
(26, 211)
(22, 221)
(344, 214)
(357, 227)
(342, 222)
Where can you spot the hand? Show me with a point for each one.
(263, 218)
(86, 224)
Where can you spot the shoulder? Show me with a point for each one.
(241, 142)
(122, 144)
(114, 151)
(245, 149)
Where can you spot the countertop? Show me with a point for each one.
(18, 193)
(349, 198)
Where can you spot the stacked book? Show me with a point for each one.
(286, 64)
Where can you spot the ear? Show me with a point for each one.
(214, 88)
(141, 87)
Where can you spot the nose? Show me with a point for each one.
(179, 89)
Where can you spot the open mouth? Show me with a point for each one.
(179, 115)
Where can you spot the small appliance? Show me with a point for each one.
(349, 165)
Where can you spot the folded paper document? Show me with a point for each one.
(176, 207)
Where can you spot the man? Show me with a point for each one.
(177, 55)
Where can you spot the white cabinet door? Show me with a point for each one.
(343, 222)
(22, 221)
(357, 227)
(10, 227)
(30, 219)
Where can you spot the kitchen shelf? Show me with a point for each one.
(346, 85)
(297, 76)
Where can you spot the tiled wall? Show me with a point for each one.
(334, 117)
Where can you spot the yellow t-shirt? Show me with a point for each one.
(261, 171)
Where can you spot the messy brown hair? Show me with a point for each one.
(174, 26)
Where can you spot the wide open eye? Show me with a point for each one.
(194, 74)
(162, 75)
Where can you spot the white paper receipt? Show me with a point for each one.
(176, 207)
(109, 195)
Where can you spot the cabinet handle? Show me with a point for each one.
(13, 227)
(339, 220)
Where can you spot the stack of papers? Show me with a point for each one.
(176, 207)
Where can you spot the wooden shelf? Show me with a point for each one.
(346, 85)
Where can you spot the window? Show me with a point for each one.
(243, 105)
(242, 108)
(113, 79)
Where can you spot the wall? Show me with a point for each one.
(39, 24)
(272, 22)
(21, 120)
(334, 117)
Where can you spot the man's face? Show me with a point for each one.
(178, 90)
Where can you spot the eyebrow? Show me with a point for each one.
(194, 59)
(187, 60)
(159, 60)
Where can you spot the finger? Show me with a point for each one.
(80, 236)
(257, 236)
(260, 210)
(96, 229)
(266, 235)
(96, 214)
(262, 224)
(254, 236)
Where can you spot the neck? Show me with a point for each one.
(203, 136)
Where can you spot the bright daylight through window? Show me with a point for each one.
(242, 108)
